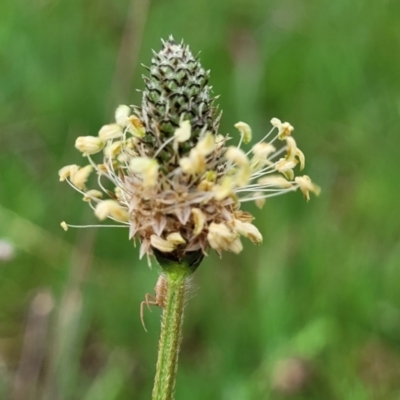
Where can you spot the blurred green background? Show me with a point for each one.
(313, 313)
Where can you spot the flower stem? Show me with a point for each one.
(171, 333)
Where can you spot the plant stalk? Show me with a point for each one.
(171, 334)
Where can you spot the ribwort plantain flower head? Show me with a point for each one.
(165, 172)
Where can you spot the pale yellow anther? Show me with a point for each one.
(235, 246)
(92, 194)
(187, 165)
(293, 151)
(259, 200)
(148, 168)
(211, 176)
(245, 131)
(199, 221)
(248, 230)
(284, 165)
(142, 164)
(242, 173)
(150, 177)
(205, 186)
(80, 177)
(276, 122)
(111, 208)
(275, 181)
(306, 186)
(64, 225)
(136, 127)
(125, 158)
(194, 164)
(289, 174)
(301, 157)
(224, 189)
(111, 131)
(104, 169)
(236, 156)
(263, 150)
(130, 143)
(222, 231)
(219, 244)
(291, 148)
(113, 149)
(67, 171)
(182, 134)
(176, 238)
(221, 237)
(161, 244)
(88, 145)
(118, 192)
(122, 114)
(285, 130)
(243, 176)
(206, 145)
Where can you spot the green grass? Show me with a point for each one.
(325, 285)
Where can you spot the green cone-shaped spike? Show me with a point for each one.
(176, 90)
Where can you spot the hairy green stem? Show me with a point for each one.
(171, 333)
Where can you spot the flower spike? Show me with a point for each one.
(178, 186)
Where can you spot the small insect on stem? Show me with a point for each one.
(160, 291)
